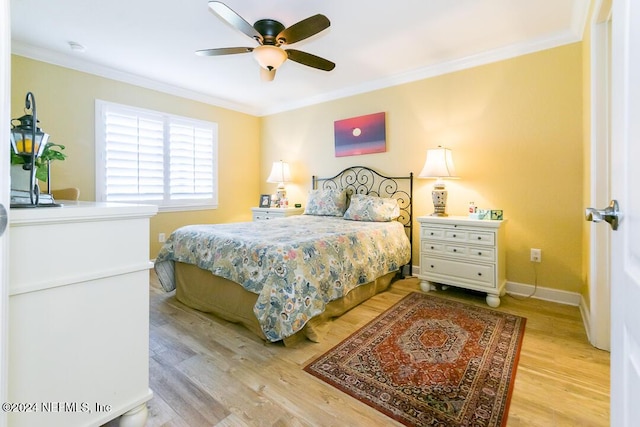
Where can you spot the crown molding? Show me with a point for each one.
(507, 52)
(483, 58)
(78, 64)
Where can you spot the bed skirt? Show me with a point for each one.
(233, 303)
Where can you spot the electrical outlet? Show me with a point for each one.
(161, 237)
(536, 255)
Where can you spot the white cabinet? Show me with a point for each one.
(463, 252)
(79, 314)
(271, 213)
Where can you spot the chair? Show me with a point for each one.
(71, 193)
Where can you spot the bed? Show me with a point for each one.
(285, 278)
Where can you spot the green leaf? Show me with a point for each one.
(52, 151)
(41, 173)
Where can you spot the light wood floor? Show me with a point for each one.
(207, 372)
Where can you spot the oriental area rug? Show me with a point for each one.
(428, 361)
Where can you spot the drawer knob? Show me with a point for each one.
(432, 266)
(432, 247)
(479, 274)
(454, 235)
(480, 253)
(455, 250)
(479, 238)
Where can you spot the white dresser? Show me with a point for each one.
(463, 252)
(79, 314)
(271, 213)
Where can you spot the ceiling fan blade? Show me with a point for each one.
(310, 60)
(303, 29)
(235, 20)
(223, 51)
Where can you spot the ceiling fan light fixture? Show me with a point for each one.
(269, 57)
(267, 75)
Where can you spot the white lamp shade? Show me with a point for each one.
(280, 172)
(438, 164)
(269, 57)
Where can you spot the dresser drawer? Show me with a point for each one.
(432, 233)
(448, 271)
(465, 236)
(432, 247)
(479, 253)
(455, 234)
(482, 238)
(261, 216)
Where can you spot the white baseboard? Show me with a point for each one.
(546, 294)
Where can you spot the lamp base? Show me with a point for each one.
(439, 197)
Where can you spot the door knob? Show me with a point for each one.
(3, 218)
(610, 214)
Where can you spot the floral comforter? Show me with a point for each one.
(296, 265)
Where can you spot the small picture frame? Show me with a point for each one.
(265, 200)
(496, 214)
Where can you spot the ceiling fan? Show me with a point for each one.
(271, 35)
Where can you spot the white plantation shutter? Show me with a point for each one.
(134, 157)
(150, 157)
(190, 161)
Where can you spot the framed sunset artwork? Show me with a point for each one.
(360, 135)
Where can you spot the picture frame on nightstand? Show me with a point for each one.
(265, 200)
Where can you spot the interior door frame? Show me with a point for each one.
(599, 325)
(5, 120)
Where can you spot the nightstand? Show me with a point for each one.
(271, 213)
(463, 252)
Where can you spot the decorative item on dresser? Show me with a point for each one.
(271, 213)
(31, 155)
(439, 165)
(463, 252)
(265, 201)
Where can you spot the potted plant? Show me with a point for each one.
(51, 152)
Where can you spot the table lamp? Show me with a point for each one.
(280, 173)
(439, 165)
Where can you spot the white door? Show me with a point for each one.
(5, 111)
(625, 242)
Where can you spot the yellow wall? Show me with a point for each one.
(65, 103)
(515, 128)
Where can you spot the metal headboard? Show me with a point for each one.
(364, 180)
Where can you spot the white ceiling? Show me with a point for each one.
(374, 43)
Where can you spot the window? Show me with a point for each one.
(145, 156)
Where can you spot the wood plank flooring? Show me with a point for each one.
(207, 372)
